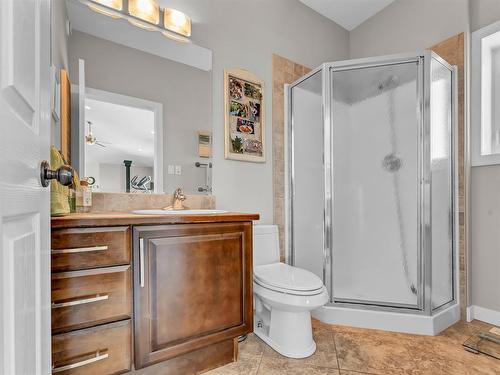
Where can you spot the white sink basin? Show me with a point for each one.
(178, 212)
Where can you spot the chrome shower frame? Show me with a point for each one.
(424, 257)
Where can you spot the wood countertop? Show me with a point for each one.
(127, 218)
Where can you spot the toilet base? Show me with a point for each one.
(289, 333)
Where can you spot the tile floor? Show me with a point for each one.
(355, 351)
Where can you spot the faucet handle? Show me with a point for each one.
(178, 194)
(179, 197)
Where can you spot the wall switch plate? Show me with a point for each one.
(178, 169)
(170, 169)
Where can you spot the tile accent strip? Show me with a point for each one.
(125, 202)
(284, 71)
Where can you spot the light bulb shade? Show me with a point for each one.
(113, 4)
(141, 24)
(176, 37)
(146, 10)
(176, 21)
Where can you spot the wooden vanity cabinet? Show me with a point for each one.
(91, 300)
(150, 295)
(192, 287)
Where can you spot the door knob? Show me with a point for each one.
(63, 174)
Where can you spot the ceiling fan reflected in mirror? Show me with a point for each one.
(91, 139)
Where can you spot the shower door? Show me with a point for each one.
(376, 168)
(307, 173)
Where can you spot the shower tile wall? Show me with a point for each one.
(452, 50)
(284, 71)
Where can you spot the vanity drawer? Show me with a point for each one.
(89, 297)
(102, 350)
(80, 248)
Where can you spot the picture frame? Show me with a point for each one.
(244, 116)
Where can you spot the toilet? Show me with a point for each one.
(284, 297)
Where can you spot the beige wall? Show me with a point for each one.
(483, 12)
(409, 25)
(245, 34)
(485, 200)
(485, 225)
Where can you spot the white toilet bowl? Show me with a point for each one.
(284, 298)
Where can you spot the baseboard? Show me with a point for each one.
(389, 321)
(483, 314)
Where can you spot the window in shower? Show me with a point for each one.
(485, 98)
(375, 156)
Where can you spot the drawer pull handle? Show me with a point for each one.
(99, 356)
(141, 261)
(97, 298)
(79, 250)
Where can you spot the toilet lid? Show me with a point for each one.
(287, 277)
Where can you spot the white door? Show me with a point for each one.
(24, 203)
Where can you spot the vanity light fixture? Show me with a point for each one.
(147, 11)
(113, 4)
(176, 21)
(147, 15)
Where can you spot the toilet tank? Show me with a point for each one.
(266, 245)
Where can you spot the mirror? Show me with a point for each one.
(141, 118)
(122, 152)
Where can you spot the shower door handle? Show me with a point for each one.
(326, 247)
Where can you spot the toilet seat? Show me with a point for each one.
(287, 279)
(288, 291)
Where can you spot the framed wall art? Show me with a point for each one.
(244, 116)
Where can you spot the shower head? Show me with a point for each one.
(392, 163)
(390, 83)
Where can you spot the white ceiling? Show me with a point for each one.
(348, 13)
(129, 131)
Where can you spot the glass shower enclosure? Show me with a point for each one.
(371, 181)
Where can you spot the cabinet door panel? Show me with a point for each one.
(196, 287)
